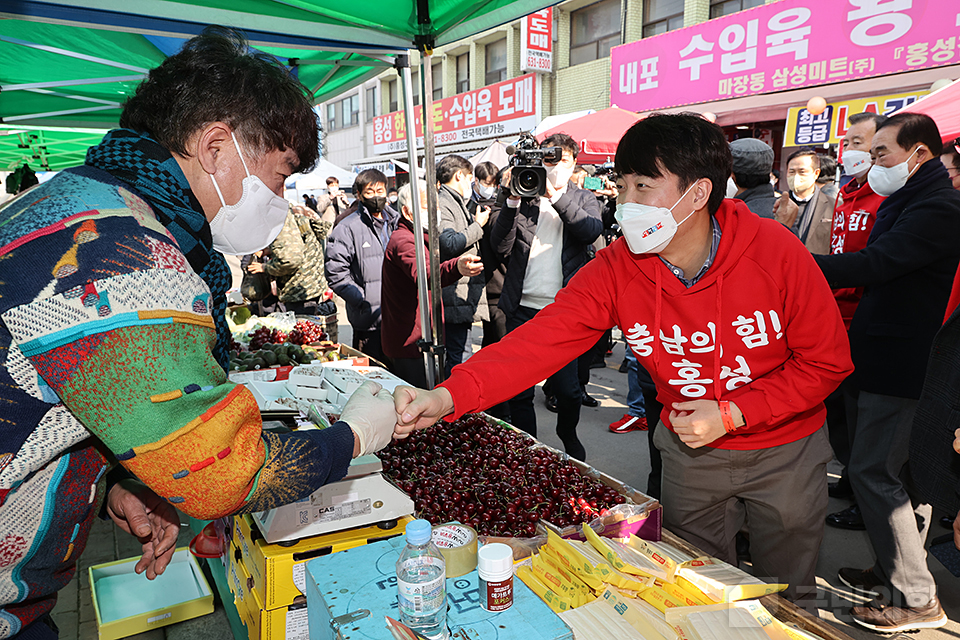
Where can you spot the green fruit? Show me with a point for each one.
(284, 360)
(269, 357)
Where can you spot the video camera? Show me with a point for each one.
(528, 176)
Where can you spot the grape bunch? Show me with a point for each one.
(491, 478)
(306, 333)
(263, 335)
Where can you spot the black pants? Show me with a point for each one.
(565, 385)
(456, 336)
(311, 307)
(653, 408)
(410, 369)
(493, 331)
(368, 342)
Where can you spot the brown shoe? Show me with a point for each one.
(880, 615)
(863, 581)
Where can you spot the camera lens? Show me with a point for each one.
(528, 180)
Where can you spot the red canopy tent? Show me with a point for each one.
(941, 105)
(597, 133)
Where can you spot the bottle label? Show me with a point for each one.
(496, 596)
(419, 598)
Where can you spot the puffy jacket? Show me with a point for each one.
(515, 229)
(354, 264)
(466, 300)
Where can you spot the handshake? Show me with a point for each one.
(376, 416)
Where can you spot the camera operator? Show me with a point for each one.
(545, 239)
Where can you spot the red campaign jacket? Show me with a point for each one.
(399, 313)
(853, 219)
(760, 328)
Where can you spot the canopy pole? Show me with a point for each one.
(423, 301)
(430, 171)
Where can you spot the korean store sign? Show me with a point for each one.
(803, 128)
(501, 109)
(783, 45)
(536, 42)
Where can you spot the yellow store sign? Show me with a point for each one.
(803, 128)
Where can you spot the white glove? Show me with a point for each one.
(372, 415)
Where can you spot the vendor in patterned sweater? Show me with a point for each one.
(113, 340)
(735, 323)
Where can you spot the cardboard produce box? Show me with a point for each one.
(126, 603)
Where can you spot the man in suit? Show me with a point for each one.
(906, 270)
(812, 217)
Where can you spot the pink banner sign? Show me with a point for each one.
(784, 45)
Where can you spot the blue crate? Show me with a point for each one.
(365, 578)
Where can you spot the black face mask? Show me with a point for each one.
(374, 204)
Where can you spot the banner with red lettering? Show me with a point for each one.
(536, 42)
(783, 45)
(502, 109)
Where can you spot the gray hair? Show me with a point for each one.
(404, 196)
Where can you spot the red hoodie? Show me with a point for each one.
(782, 346)
(853, 219)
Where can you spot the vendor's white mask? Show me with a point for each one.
(646, 228)
(253, 222)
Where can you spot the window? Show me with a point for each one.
(594, 30)
(392, 95)
(333, 116)
(371, 103)
(660, 16)
(726, 7)
(437, 72)
(496, 70)
(463, 73)
(343, 113)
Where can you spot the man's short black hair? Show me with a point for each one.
(750, 180)
(563, 141)
(857, 118)
(684, 144)
(216, 77)
(333, 180)
(828, 169)
(915, 128)
(952, 155)
(485, 170)
(799, 153)
(448, 167)
(367, 177)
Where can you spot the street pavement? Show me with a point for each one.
(622, 456)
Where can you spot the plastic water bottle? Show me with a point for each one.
(422, 583)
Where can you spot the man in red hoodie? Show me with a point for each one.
(731, 317)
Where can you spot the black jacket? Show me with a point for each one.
(906, 270)
(494, 269)
(354, 264)
(515, 229)
(934, 465)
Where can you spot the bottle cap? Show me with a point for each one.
(494, 561)
(419, 532)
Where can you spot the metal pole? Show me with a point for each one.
(429, 359)
(430, 171)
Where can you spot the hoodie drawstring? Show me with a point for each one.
(717, 386)
(656, 316)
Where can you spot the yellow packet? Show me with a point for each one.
(660, 599)
(554, 601)
(686, 598)
(550, 557)
(619, 556)
(723, 582)
(692, 589)
(553, 579)
(573, 560)
(654, 555)
(632, 616)
(608, 573)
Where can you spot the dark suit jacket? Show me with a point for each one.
(515, 229)
(819, 211)
(906, 272)
(934, 465)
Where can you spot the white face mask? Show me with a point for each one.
(856, 162)
(253, 222)
(731, 188)
(559, 175)
(886, 181)
(486, 192)
(646, 228)
(392, 199)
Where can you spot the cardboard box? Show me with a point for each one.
(283, 623)
(278, 571)
(126, 603)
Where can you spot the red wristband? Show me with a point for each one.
(727, 416)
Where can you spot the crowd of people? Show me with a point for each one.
(767, 333)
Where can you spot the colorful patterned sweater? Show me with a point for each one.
(106, 330)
